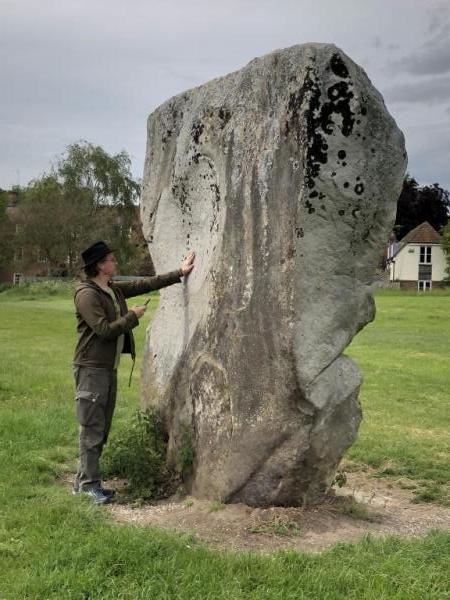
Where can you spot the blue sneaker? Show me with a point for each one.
(99, 495)
(107, 492)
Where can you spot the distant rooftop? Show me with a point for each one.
(422, 234)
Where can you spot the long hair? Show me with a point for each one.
(91, 271)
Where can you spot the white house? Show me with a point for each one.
(418, 260)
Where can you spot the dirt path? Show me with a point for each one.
(364, 505)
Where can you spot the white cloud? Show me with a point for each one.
(432, 57)
(421, 91)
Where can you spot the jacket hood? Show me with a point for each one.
(86, 284)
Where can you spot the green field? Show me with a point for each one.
(405, 358)
(54, 545)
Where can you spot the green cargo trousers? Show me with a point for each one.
(96, 390)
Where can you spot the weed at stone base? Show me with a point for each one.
(340, 479)
(276, 526)
(137, 452)
(358, 511)
(216, 505)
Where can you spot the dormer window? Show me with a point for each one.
(425, 255)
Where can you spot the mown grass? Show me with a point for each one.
(54, 545)
(405, 357)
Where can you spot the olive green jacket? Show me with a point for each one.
(97, 325)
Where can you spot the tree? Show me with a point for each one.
(418, 204)
(87, 196)
(85, 166)
(55, 224)
(6, 232)
(107, 178)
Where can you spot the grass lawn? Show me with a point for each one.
(405, 357)
(54, 545)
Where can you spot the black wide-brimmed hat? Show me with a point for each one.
(95, 253)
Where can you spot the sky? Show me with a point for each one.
(94, 70)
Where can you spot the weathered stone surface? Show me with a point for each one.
(283, 177)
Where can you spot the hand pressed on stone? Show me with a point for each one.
(188, 263)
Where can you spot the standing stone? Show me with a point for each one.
(283, 177)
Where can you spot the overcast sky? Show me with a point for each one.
(95, 69)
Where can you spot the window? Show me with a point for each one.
(424, 273)
(425, 255)
(423, 286)
(18, 255)
(40, 256)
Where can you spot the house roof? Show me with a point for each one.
(422, 234)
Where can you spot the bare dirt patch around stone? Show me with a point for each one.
(365, 505)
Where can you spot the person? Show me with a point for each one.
(104, 325)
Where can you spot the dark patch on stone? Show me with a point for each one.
(196, 132)
(346, 184)
(166, 136)
(342, 213)
(342, 154)
(333, 174)
(179, 191)
(372, 150)
(340, 96)
(344, 164)
(299, 232)
(317, 119)
(358, 178)
(359, 188)
(214, 224)
(314, 194)
(224, 116)
(338, 66)
(196, 157)
(365, 234)
(340, 91)
(364, 110)
(310, 207)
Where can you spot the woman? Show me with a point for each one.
(104, 325)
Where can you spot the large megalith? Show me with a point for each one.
(283, 177)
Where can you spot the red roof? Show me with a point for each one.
(422, 234)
